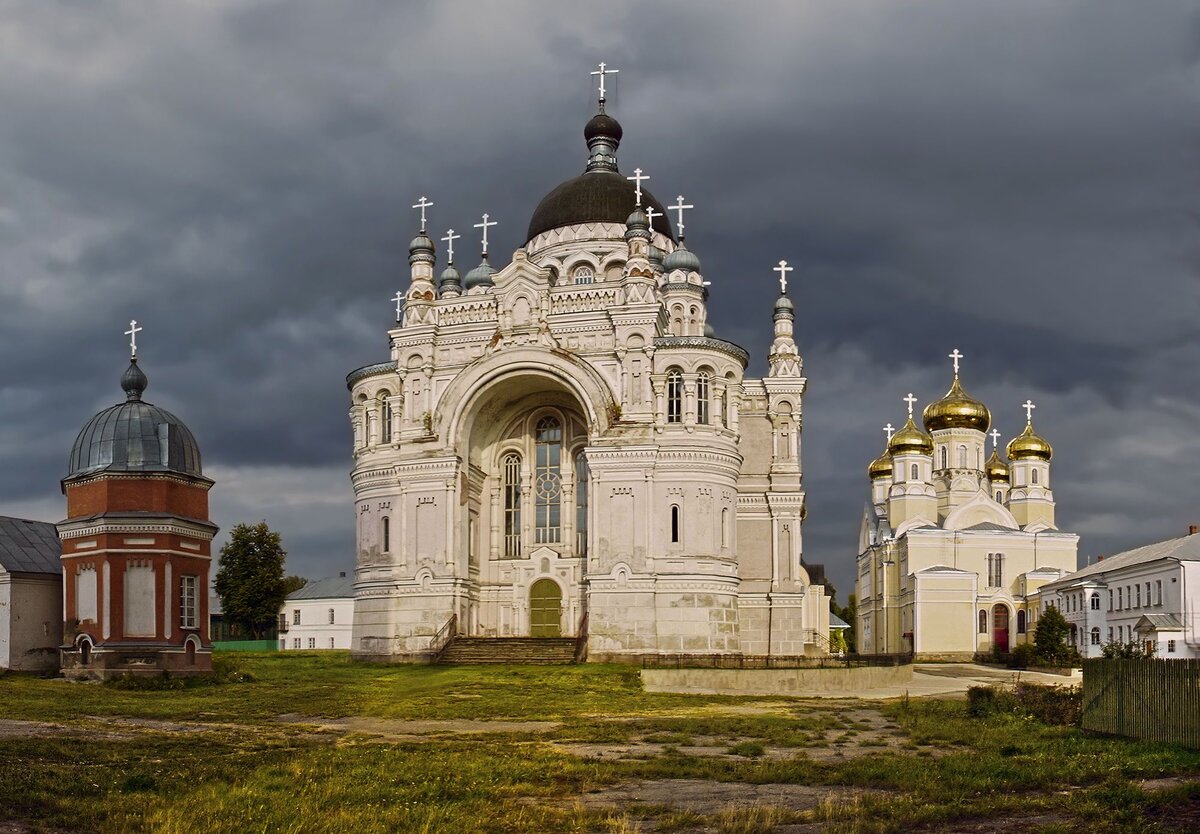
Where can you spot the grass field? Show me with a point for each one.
(364, 748)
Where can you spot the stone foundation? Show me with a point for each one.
(117, 661)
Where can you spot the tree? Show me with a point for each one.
(250, 580)
(1050, 638)
(291, 584)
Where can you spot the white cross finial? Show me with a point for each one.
(603, 71)
(910, 399)
(783, 269)
(680, 207)
(132, 334)
(889, 430)
(1029, 407)
(956, 356)
(399, 299)
(638, 178)
(650, 215)
(484, 225)
(995, 439)
(423, 204)
(450, 238)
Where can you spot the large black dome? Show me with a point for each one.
(594, 197)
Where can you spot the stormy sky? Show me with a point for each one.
(1018, 180)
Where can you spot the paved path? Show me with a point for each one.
(954, 679)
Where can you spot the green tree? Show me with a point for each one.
(250, 579)
(292, 584)
(1050, 639)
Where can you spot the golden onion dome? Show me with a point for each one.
(1028, 445)
(881, 467)
(910, 440)
(997, 470)
(957, 410)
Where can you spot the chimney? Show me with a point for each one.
(1099, 558)
(1193, 530)
(341, 574)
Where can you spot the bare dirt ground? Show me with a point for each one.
(701, 796)
(394, 729)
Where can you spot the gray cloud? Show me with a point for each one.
(1017, 180)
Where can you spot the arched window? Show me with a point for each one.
(1096, 636)
(584, 275)
(1095, 602)
(331, 616)
(1034, 476)
(581, 504)
(385, 535)
(385, 420)
(674, 397)
(1021, 622)
(983, 621)
(962, 457)
(944, 457)
(674, 524)
(916, 473)
(725, 527)
(999, 497)
(703, 392)
(547, 486)
(512, 505)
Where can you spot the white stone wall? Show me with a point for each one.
(315, 631)
(30, 622)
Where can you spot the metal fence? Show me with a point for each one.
(1148, 698)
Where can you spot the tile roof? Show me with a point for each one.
(29, 546)
(333, 587)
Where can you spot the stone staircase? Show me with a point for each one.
(541, 651)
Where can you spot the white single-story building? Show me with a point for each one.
(31, 615)
(318, 616)
(1148, 595)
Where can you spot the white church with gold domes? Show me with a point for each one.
(954, 546)
(562, 449)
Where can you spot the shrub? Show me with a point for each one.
(1022, 657)
(1050, 640)
(1057, 705)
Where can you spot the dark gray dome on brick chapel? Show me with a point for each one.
(599, 195)
(135, 436)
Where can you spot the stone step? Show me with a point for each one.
(528, 650)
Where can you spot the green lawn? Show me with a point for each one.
(214, 758)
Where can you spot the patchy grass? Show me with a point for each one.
(213, 758)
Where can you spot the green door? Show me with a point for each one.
(545, 609)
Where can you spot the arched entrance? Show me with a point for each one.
(1000, 628)
(85, 651)
(545, 609)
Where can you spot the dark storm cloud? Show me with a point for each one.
(1017, 180)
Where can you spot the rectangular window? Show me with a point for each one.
(1120, 599)
(331, 616)
(1110, 634)
(1138, 589)
(312, 642)
(1170, 647)
(296, 617)
(331, 642)
(1147, 594)
(296, 643)
(187, 602)
(1110, 608)
(1158, 592)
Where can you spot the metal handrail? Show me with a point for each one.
(581, 636)
(444, 637)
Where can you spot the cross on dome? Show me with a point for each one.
(995, 435)
(911, 400)
(399, 299)
(450, 238)
(889, 430)
(638, 178)
(423, 204)
(1029, 407)
(603, 71)
(650, 215)
(783, 269)
(956, 356)
(132, 334)
(484, 225)
(680, 207)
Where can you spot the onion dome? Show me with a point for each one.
(682, 258)
(881, 467)
(709, 330)
(1028, 445)
(997, 470)
(135, 436)
(637, 221)
(480, 276)
(957, 410)
(655, 256)
(450, 280)
(601, 194)
(910, 440)
(784, 307)
(421, 249)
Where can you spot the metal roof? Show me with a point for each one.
(837, 622)
(1185, 548)
(333, 587)
(135, 437)
(1159, 622)
(29, 546)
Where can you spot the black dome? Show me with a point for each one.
(594, 197)
(603, 125)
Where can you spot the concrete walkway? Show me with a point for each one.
(942, 679)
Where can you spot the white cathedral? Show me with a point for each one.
(561, 448)
(953, 548)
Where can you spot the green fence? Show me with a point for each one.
(1150, 699)
(246, 646)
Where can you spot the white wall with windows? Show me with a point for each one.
(319, 616)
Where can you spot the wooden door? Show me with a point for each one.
(545, 609)
(1000, 628)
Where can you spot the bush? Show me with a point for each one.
(1050, 640)
(1022, 657)
(1057, 705)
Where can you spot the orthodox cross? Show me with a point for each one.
(650, 215)
(1029, 407)
(679, 207)
(956, 356)
(603, 71)
(637, 178)
(783, 269)
(423, 204)
(450, 238)
(889, 430)
(132, 334)
(484, 225)
(995, 439)
(399, 299)
(910, 399)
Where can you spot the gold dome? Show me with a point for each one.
(1029, 446)
(957, 410)
(997, 470)
(910, 440)
(881, 467)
